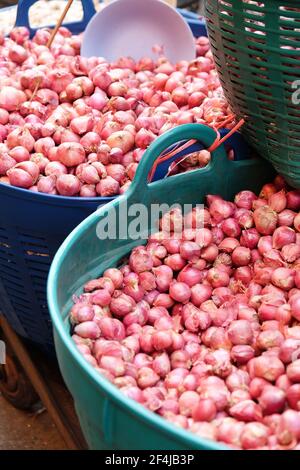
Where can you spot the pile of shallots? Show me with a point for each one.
(204, 328)
(88, 126)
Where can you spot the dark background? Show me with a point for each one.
(7, 3)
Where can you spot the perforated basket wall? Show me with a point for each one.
(256, 46)
(32, 227)
(24, 265)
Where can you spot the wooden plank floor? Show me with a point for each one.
(45, 377)
(23, 430)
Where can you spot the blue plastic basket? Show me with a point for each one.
(33, 226)
(196, 23)
(77, 27)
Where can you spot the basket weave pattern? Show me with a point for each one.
(256, 47)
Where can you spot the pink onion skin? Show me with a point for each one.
(241, 354)
(290, 420)
(278, 201)
(114, 365)
(231, 227)
(68, 185)
(283, 382)
(283, 236)
(200, 293)
(241, 256)
(244, 199)
(101, 297)
(286, 218)
(293, 200)
(283, 278)
(46, 184)
(11, 98)
(265, 220)
(228, 245)
(246, 411)
(204, 411)
(19, 154)
(297, 222)
(23, 174)
(190, 276)
(189, 250)
(20, 136)
(220, 209)
(108, 187)
(244, 275)
(254, 435)
(71, 154)
(265, 244)
(220, 396)
(6, 163)
(81, 312)
(249, 238)
(180, 292)
(229, 431)
(88, 330)
(161, 365)
(121, 304)
(112, 328)
(295, 306)
(210, 253)
(269, 368)
(297, 279)
(218, 278)
(244, 218)
(162, 340)
(140, 260)
(293, 396)
(240, 332)
(115, 275)
(4, 116)
(146, 377)
(188, 401)
(293, 371)
(40, 160)
(269, 339)
(122, 140)
(55, 169)
(267, 190)
(272, 400)
(290, 252)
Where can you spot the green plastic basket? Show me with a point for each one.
(256, 47)
(110, 420)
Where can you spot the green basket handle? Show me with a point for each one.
(204, 134)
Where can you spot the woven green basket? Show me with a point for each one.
(256, 47)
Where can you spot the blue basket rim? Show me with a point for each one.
(53, 198)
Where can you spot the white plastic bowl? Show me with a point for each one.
(133, 27)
